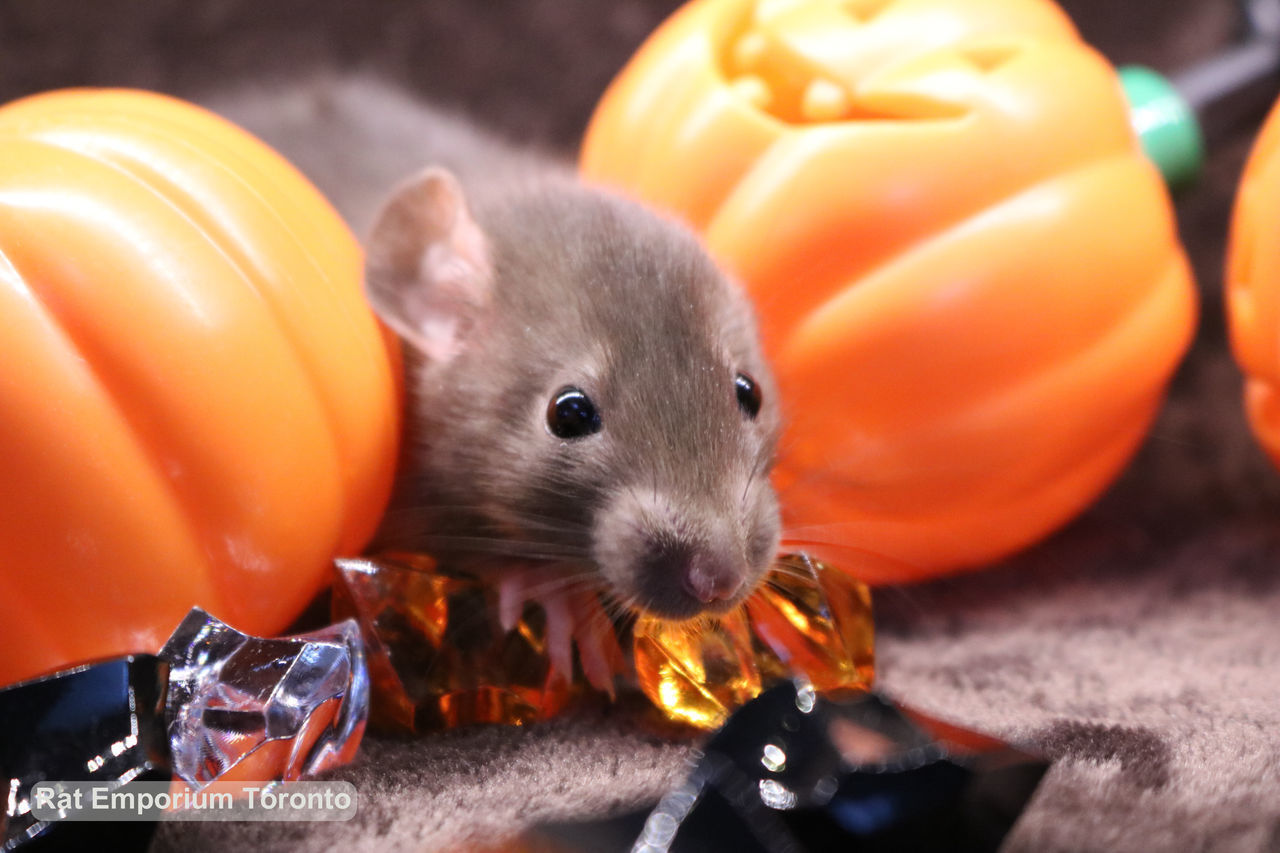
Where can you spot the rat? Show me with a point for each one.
(589, 413)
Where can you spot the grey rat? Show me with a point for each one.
(589, 408)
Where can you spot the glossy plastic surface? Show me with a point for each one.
(1253, 285)
(196, 406)
(249, 708)
(967, 272)
(1166, 124)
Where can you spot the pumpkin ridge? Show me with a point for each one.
(345, 468)
(1150, 312)
(240, 149)
(298, 203)
(707, 204)
(1147, 312)
(1250, 303)
(871, 276)
(192, 532)
(112, 396)
(200, 531)
(830, 281)
(648, 157)
(222, 241)
(969, 533)
(157, 445)
(651, 164)
(153, 177)
(16, 617)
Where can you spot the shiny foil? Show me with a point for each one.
(438, 656)
(797, 771)
(101, 722)
(248, 708)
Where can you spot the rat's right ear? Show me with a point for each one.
(427, 271)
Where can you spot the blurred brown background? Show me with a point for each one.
(528, 66)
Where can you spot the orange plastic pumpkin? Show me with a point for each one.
(1253, 285)
(196, 406)
(968, 274)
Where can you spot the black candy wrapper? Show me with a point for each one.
(797, 772)
(214, 704)
(98, 722)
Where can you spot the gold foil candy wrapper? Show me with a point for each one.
(438, 657)
(807, 620)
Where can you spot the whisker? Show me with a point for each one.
(788, 570)
(831, 542)
(530, 519)
(504, 547)
(599, 621)
(568, 583)
(618, 609)
(763, 461)
(905, 595)
(554, 487)
(634, 491)
(774, 584)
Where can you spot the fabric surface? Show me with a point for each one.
(1139, 646)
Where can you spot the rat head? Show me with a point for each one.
(591, 390)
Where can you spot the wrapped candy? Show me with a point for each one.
(247, 708)
(796, 771)
(438, 656)
(216, 705)
(102, 722)
(806, 619)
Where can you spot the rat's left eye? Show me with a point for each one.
(749, 398)
(571, 414)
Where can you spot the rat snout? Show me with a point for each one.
(708, 576)
(679, 576)
(671, 559)
(710, 579)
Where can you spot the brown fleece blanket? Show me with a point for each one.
(1139, 647)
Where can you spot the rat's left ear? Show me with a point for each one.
(427, 272)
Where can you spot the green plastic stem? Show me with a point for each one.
(1165, 123)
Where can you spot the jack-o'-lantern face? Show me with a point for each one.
(967, 273)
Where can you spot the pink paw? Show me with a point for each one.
(574, 615)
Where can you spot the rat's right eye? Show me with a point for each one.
(571, 414)
(749, 397)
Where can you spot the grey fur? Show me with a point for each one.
(588, 290)
(593, 292)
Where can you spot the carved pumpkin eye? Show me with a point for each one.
(749, 397)
(571, 414)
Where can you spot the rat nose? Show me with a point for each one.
(710, 579)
